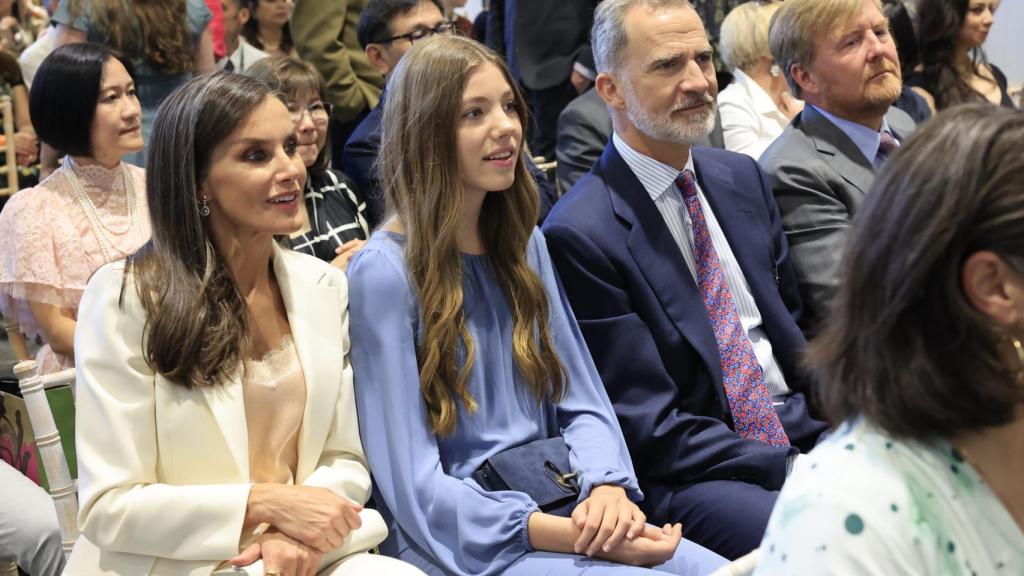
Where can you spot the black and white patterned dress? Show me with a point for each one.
(336, 215)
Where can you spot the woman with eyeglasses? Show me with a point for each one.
(334, 220)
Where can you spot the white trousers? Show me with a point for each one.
(29, 534)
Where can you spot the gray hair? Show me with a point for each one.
(608, 36)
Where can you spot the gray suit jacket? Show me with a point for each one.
(819, 178)
(584, 128)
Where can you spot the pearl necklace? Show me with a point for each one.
(106, 242)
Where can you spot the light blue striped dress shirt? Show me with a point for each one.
(658, 180)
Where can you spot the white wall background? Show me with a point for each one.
(473, 7)
(1005, 47)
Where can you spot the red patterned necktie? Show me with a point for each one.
(742, 378)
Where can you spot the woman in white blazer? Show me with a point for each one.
(216, 424)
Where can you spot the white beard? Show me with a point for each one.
(665, 128)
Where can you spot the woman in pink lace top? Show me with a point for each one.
(89, 212)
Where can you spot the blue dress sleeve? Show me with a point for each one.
(465, 529)
(585, 416)
(199, 16)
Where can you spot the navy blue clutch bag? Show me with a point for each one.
(539, 469)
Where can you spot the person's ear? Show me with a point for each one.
(377, 55)
(804, 78)
(993, 288)
(243, 15)
(609, 88)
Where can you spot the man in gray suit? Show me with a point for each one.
(839, 57)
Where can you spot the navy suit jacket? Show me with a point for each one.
(643, 318)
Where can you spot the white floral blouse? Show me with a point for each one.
(865, 503)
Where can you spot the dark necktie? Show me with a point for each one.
(742, 378)
(886, 144)
(229, 66)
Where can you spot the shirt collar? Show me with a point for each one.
(656, 177)
(865, 139)
(761, 100)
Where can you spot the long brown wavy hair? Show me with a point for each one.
(424, 189)
(156, 28)
(196, 330)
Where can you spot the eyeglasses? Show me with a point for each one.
(421, 33)
(319, 112)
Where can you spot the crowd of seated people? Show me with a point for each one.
(328, 316)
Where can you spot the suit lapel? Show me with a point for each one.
(900, 124)
(657, 255)
(228, 407)
(315, 317)
(841, 153)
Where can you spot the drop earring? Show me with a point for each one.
(204, 210)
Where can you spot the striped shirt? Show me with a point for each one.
(658, 180)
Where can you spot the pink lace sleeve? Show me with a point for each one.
(37, 230)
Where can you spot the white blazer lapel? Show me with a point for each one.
(314, 310)
(228, 407)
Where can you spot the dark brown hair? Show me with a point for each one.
(196, 328)
(938, 26)
(903, 345)
(157, 28)
(251, 29)
(421, 114)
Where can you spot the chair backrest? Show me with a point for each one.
(9, 167)
(62, 489)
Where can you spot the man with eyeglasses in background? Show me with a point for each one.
(324, 32)
(387, 30)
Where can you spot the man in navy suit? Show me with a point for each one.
(678, 271)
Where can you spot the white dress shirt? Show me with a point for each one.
(658, 180)
(750, 119)
(243, 57)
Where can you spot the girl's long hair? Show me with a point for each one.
(156, 28)
(196, 329)
(423, 187)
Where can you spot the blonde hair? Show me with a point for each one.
(796, 25)
(423, 187)
(743, 38)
